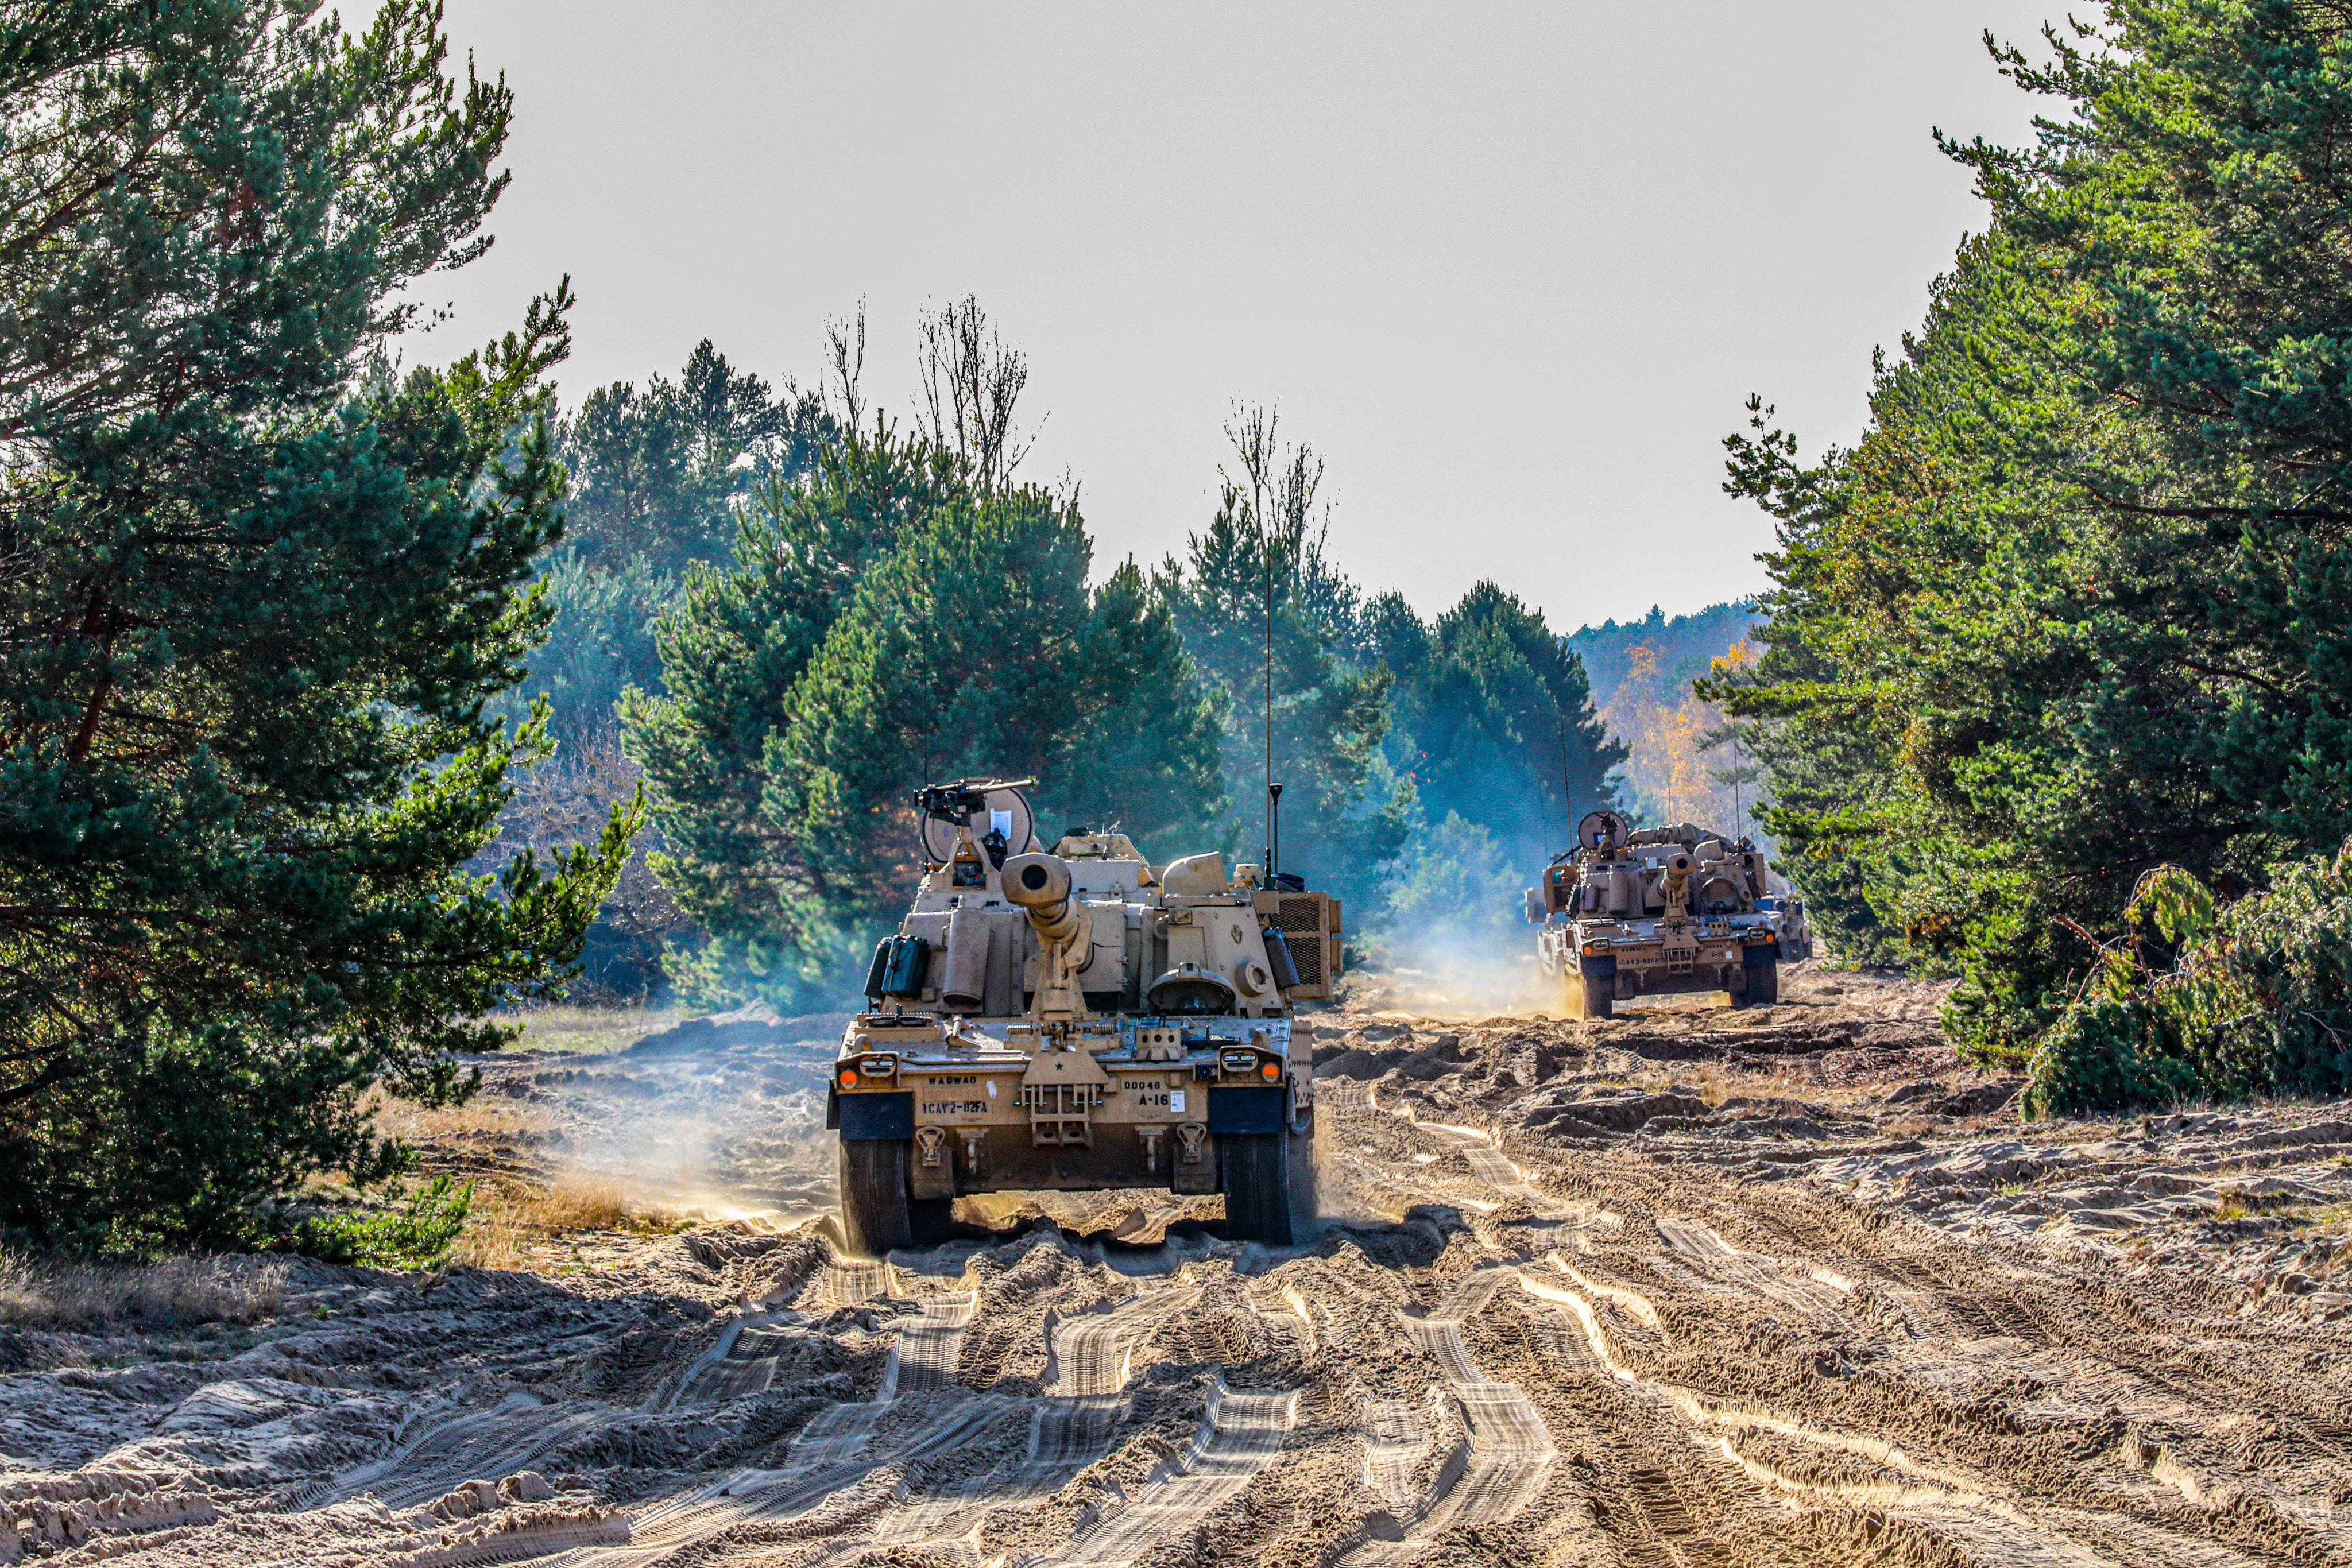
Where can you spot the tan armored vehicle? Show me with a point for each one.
(1078, 1019)
(1628, 914)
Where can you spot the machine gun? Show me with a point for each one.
(945, 812)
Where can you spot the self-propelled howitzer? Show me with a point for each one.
(1627, 914)
(1078, 1019)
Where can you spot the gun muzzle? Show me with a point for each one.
(1039, 883)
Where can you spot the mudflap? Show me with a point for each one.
(1304, 1209)
(868, 1118)
(875, 1217)
(1252, 1108)
(1596, 986)
(1256, 1171)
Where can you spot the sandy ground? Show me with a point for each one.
(1693, 1286)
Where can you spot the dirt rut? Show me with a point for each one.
(1672, 1291)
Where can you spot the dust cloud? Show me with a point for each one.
(1451, 973)
(721, 1116)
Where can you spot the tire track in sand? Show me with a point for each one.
(1239, 1435)
(1704, 1259)
(923, 1358)
(1874, 1475)
(495, 1442)
(1071, 1426)
(1929, 1512)
(1507, 1455)
(830, 1454)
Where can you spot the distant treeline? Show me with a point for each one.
(1685, 760)
(781, 610)
(1682, 647)
(2059, 694)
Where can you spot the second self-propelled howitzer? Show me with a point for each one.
(1627, 914)
(1078, 1019)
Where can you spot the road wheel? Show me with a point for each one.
(931, 1220)
(875, 1215)
(1600, 995)
(1254, 1169)
(1763, 984)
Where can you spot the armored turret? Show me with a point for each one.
(1628, 914)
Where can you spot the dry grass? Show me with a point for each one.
(175, 1293)
(479, 1117)
(492, 1237)
(591, 1032)
(511, 1219)
(575, 1203)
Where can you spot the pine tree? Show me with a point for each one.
(1274, 631)
(256, 596)
(656, 475)
(892, 621)
(1501, 726)
(2074, 609)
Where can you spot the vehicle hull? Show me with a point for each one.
(1133, 1103)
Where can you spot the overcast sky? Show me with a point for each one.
(1513, 269)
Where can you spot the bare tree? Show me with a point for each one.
(1277, 488)
(970, 383)
(844, 345)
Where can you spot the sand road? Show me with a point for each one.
(1677, 1291)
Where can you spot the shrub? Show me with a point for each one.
(2207, 1000)
(416, 1235)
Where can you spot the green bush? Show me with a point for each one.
(2207, 1000)
(2098, 1055)
(415, 1235)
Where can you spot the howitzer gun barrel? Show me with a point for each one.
(1039, 885)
